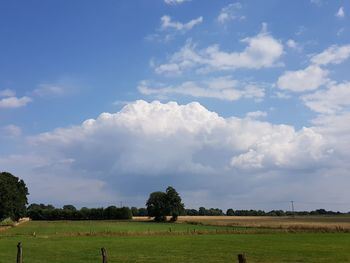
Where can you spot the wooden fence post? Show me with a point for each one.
(104, 255)
(241, 258)
(19, 253)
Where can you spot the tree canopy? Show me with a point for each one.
(13, 196)
(162, 204)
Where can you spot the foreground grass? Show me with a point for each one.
(52, 245)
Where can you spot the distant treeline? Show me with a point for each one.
(69, 212)
(231, 212)
(202, 211)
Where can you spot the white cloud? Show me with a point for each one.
(307, 79)
(170, 69)
(7, 93)
(340, 13)
(10, 130)
(332, 55)
(14, 102)
(292, 44)
(137, 139)
(262, 51)
(169, 29)
(256, 114)
(283, 147)
(282, 95)
(175, 2)
(223, 88)
(230, 12)
(332, 100)
(167, 23)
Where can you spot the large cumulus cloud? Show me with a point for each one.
(213, 161)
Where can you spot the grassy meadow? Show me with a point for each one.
(136, 241)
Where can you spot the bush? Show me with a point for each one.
(7, 222)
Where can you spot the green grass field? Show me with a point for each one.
(80, 241)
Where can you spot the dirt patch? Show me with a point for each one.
(21, 221)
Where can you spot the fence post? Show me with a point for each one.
(241, 258)
(19, 253)
(104, 255)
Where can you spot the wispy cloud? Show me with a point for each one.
(10, 130)
(256, 114)
(340, 13)
(45, 90)
(292, 44)
(222, 88)
(7, 93)
(316, 2)
(262, 51)
(333, 55)
(175, 2)
(169, 29)
(14, 102)
(167, 23)
(230, 12)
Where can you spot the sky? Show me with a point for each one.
(236, 104)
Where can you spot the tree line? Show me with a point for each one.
(202, 211)
(69, 212)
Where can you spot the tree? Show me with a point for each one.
(162, 204)
(230, 212)
(157, 206)
(174, 205)
(13, 196)
(202, 211)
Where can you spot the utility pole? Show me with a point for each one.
(292, 202)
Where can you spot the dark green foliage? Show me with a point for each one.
(174, 204)
(69, 207)
(13, 196)
(42, 212)
(157, 206)
(139, 211)
(191, 212)
(160, 204)
(210, 212)
(40, 206)
(230, 212)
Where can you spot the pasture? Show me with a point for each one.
(134, 241)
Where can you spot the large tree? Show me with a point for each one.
(174, 205)
(160, 205)
(157, 206)
(13, 196)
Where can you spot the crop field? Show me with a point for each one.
(321, 223)
(135, 241)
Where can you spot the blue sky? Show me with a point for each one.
(202, 95)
